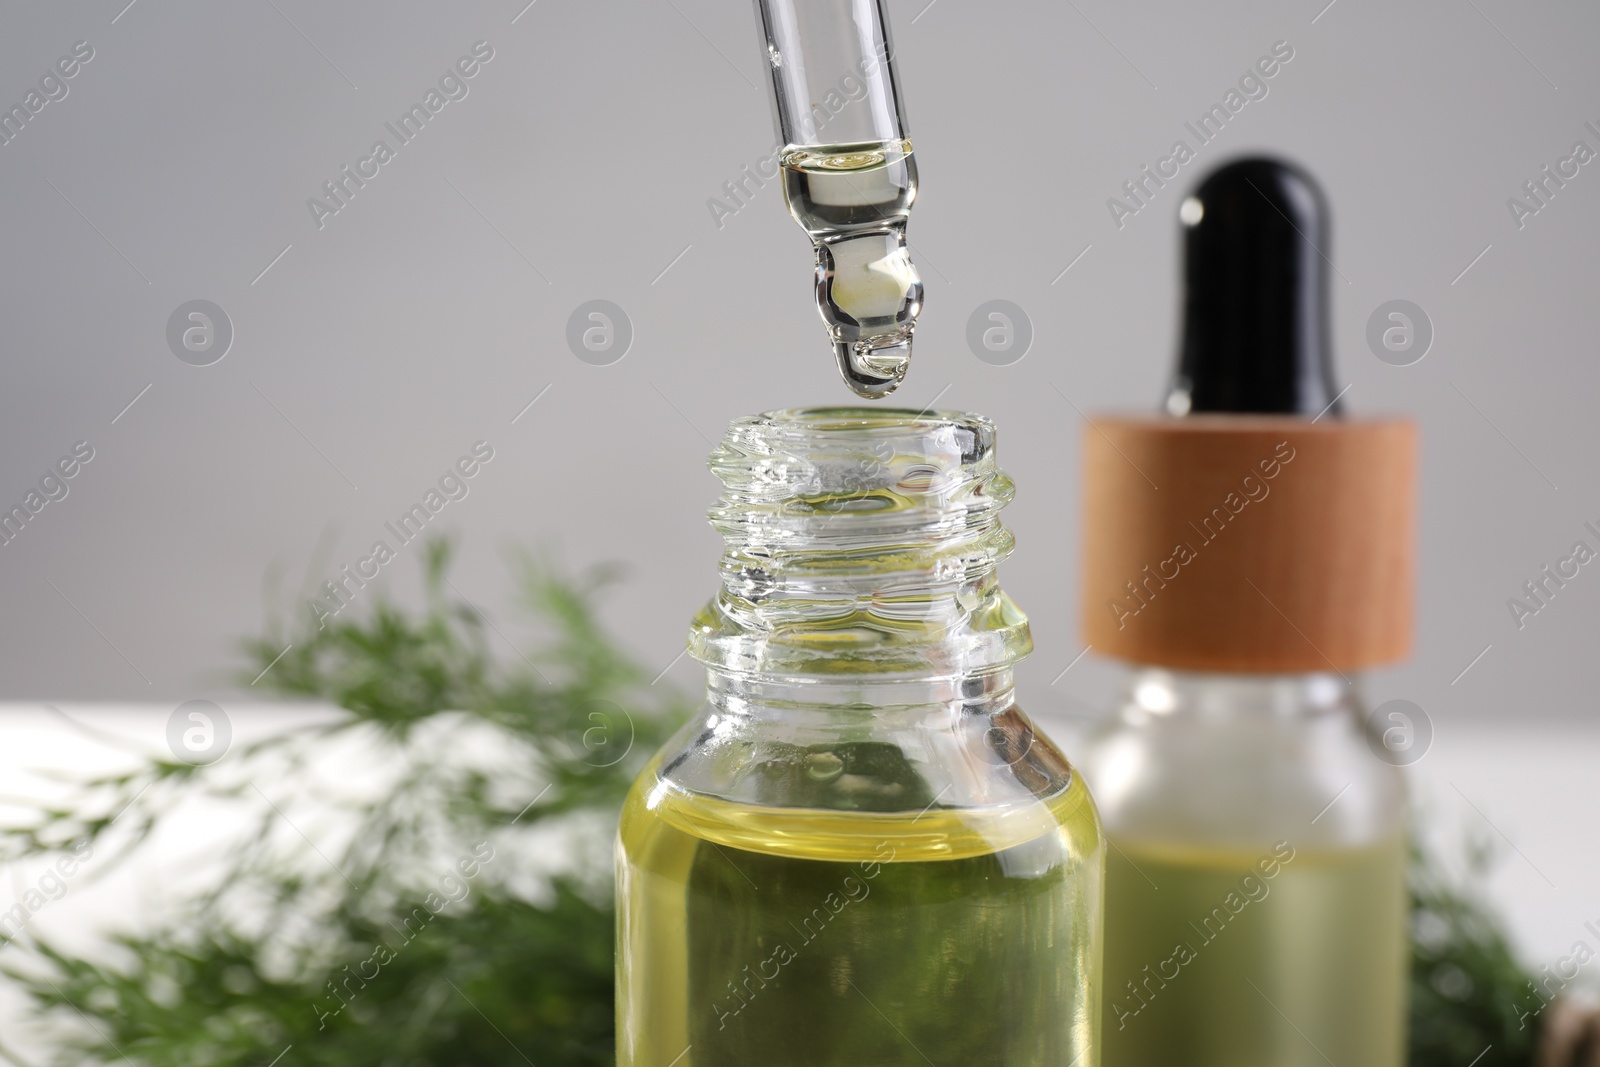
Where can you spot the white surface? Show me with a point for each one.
(1532, 791)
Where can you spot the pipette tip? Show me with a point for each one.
(874, 367)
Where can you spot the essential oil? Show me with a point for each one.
(1299, 967)
(810, 937)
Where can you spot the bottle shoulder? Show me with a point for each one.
(954, 787)
(937, 833)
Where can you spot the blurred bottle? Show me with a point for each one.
(1246, 558)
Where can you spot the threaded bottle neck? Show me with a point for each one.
(860, 543)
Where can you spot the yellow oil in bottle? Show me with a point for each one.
(799, 936)
(1212, 961)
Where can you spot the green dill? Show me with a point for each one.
(481, 742)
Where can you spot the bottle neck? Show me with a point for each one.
(1160, 693)
(861, 547)
(831, 703)
(859, 653)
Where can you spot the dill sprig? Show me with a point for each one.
(1468, 989)
(458, 739)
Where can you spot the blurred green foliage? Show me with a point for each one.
(468, 740)
(1468, 990)
(471, 740)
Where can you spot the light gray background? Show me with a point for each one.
(431, 310)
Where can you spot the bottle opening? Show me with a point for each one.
(860, 541)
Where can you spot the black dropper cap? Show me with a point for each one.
(1255, 335)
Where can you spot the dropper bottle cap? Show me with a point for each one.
(1256, 531)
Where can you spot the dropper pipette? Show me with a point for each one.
(849, 176)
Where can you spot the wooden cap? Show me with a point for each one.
(1249, 543)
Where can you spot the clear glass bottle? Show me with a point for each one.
(1256, 875)
(860, 850)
